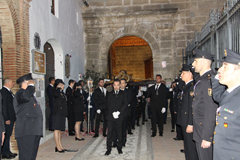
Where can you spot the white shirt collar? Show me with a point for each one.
(122, 89)
(70, 87)
(189, 82)
(116, 91)
(229, 90)
(158, 85)
(50, 84)
(206, 72)
(7, 88)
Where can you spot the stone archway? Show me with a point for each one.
(128, 31)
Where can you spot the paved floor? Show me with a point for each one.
(140, 146)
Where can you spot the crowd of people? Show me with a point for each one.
(203, 106)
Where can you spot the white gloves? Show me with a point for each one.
(163, 110)
(170, 89)
(116, 115)
(90, 106)
(88, 99)
(98, 111)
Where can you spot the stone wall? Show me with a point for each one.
(166, 25)
(132, 59)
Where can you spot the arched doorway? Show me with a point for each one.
(132, 54)
(48, 50)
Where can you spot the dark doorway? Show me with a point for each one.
(50, 72)
(149, 68)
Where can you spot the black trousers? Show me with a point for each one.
(1, 144)
(157, 116)
(28, 147)
(165, 114)
(173, 119)
(71, 119)
(133, 115)
(178, 129)
(50, 115)
(204, 153)
(112, 127)
(129, 119)
(98, 120)
(189, 145)
(6, 143)
(141, 111)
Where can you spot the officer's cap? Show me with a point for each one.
(203, 54)
(231, 57)
(186, 67)
(57, 81)
(25, 77)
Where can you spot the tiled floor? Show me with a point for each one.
(163, 148)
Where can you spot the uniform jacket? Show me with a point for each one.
(157, 101)
(204, 109)
(70, 98)
(7, 105)
(227, 131)
(2, 126)
(78, 101)
(60, 103)
(99, 99)
(28, 112)
(50, 95)
(185, 116)
(116, 103)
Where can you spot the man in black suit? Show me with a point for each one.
(157, 95)
(29, 122)
(185, 116)
(50, 99)
(101, 108)
(9, 116)
(116, 104)
(70, 105)
(2, 127)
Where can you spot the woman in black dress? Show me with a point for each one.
(59, 113)
(78, 110)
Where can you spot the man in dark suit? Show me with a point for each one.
(101, 108)
(226, 135)
(50, 99)
(29, 122)
(9, 116)
(116, 104)
(204, 108)
(2, 127)
(85, 96)
(70, 105)
(157, 95)
(185, 116)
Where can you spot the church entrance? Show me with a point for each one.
(132, 54)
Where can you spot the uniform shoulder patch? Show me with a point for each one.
(210, 91)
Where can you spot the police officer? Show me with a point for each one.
(185, 116)
(29, 122)
(227, 131)
(204, 108)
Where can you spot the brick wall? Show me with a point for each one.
(14, 21)
(132, 59)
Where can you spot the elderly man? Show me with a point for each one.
(204, 108)
(29, 122)
(227, 131)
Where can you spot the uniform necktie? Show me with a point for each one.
(157, 90)
(116, 93)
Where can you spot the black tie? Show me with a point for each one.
(116, 93)
(157, 90)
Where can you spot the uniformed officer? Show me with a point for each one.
(29, 122)
(204, 108)
(185, 116)
(227, 131)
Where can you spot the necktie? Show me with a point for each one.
(11, 93)
(116, 93)
(157, 90)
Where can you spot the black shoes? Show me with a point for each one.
(13, 154)
(133, 127)
(142, 123)
(114, 145)
(161, 134)
(95, 136)
(108, 152)
(56, 150)
(153, 135)
(177, 139)
(71, 134)
(138, 125)
(172, 130)
(9, 156)
(124, 145)
(165, 122)
(182, 150)
(120, 151)
(104, 135)
(130, 133)
(77, 139)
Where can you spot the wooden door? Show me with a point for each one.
(149, 68)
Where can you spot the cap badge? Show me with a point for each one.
(225, 52)
(209, 91)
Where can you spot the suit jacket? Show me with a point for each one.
(227, 131)
(28, 112)
(2, 126)
(116, 103)
(184, 115)
(60, 103)
(99, 99)
(157, 101)
(7, 105)
(78, 101)
(49, 91)
(204, 109)
(70, 98)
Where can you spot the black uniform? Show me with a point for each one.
(29, 123)
(60, 110)
(50, 99)
(157, 102)
(115, 102)
(100, 103)
(2, 126)
(204, 115)
(185, 118)
(70, 106)
(8, 114)
(78, 105)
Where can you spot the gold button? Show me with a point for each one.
(213, 142)
(185, 112)
(219, 113)
(200, 123)
(225, 117)
(192, 106)
(216, 123)
(194, 99)
(210, 137)
(214, 132)
(196, 93)
(192, 113)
